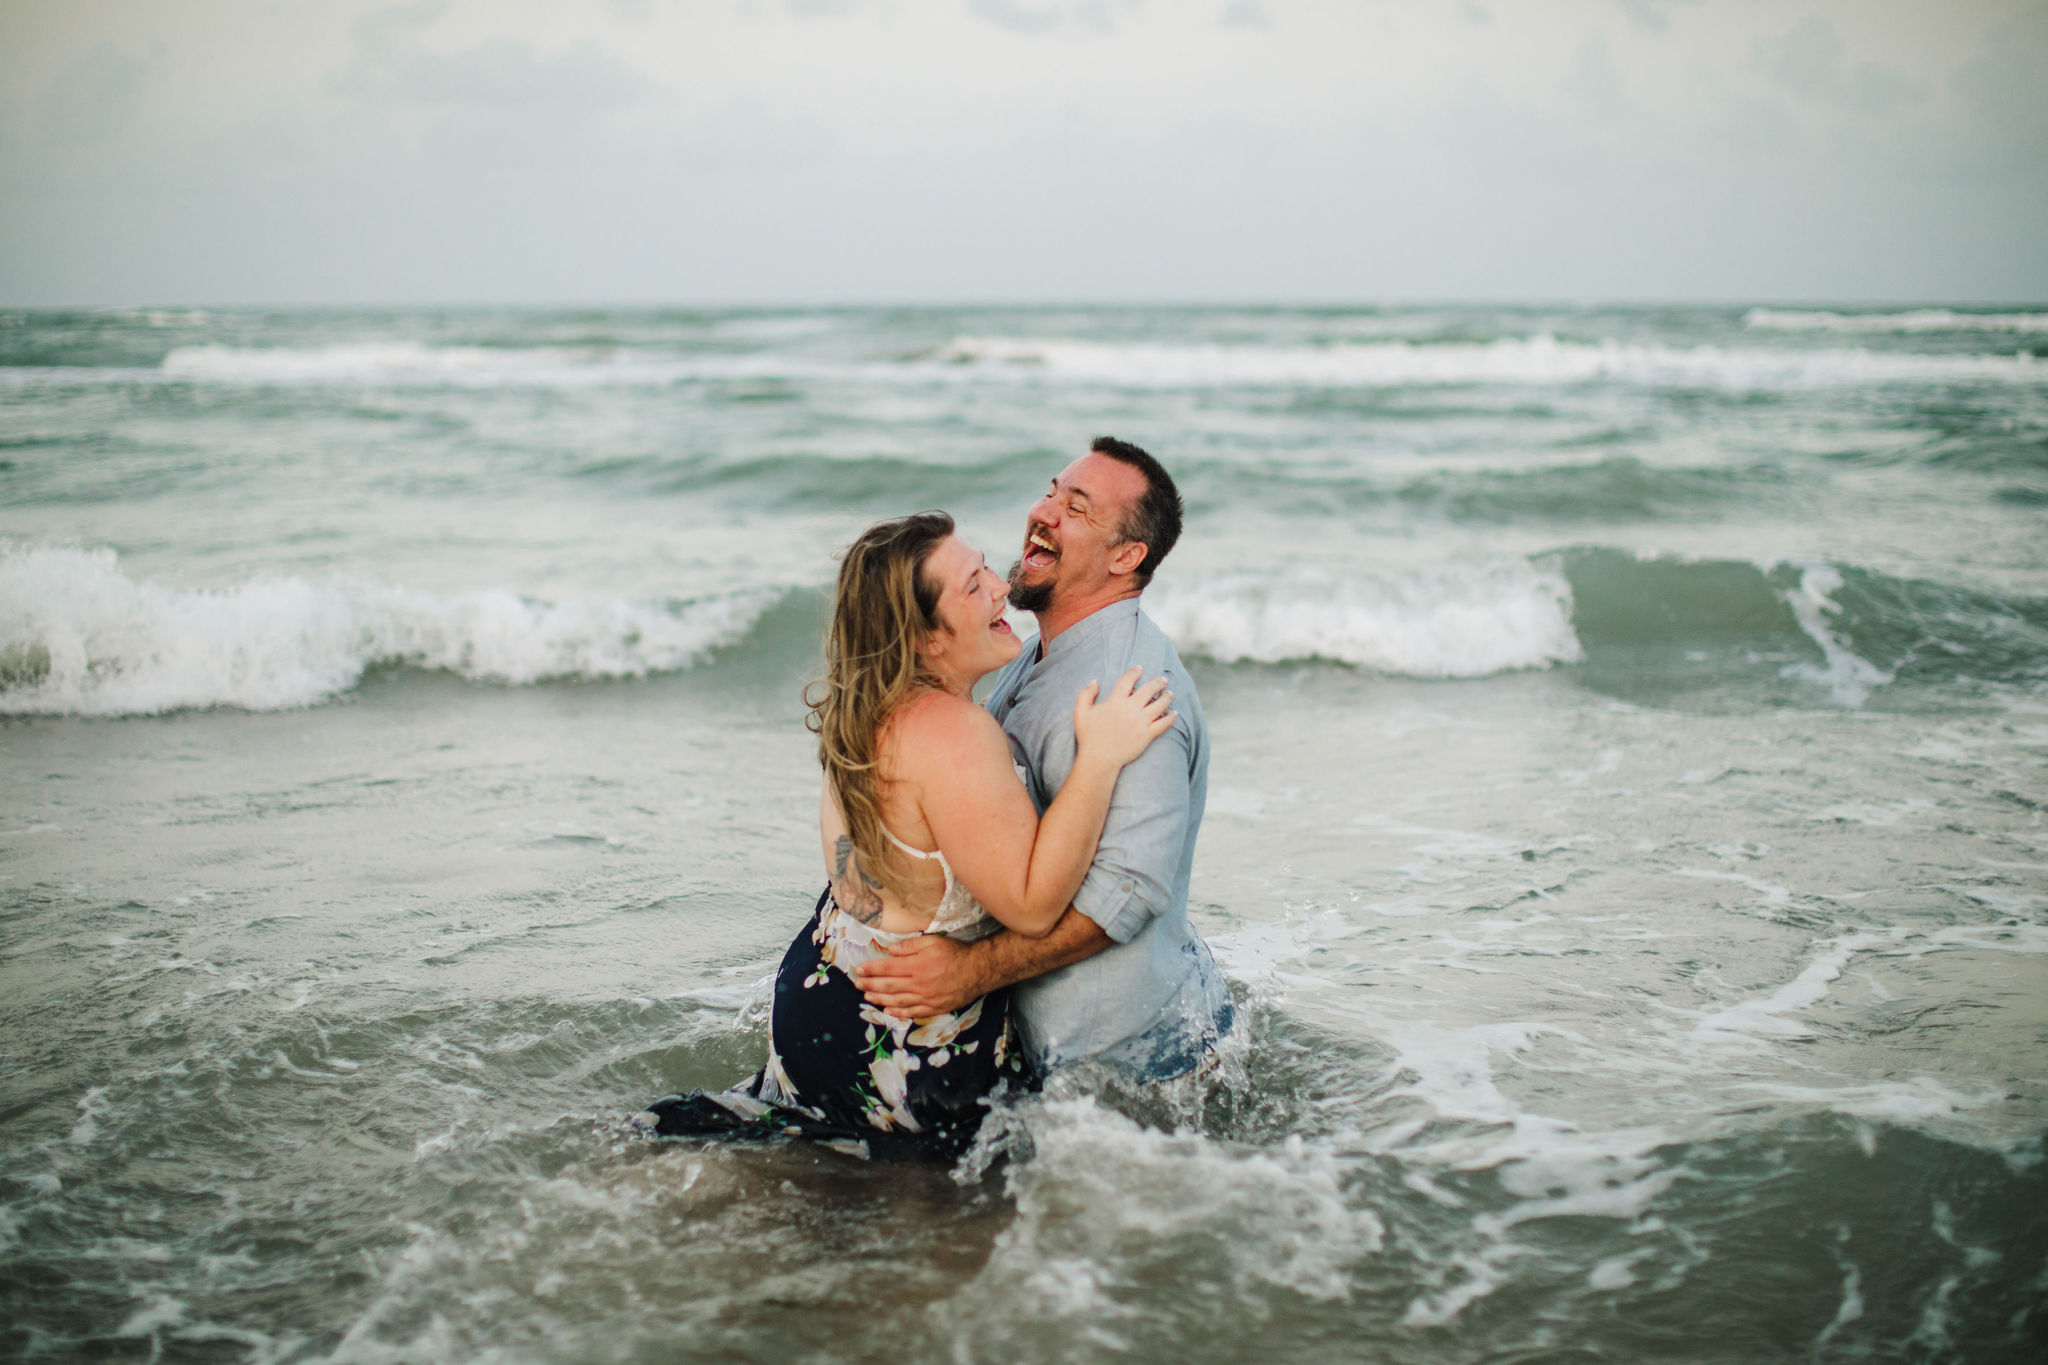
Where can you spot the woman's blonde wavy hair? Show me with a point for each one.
(883, 608)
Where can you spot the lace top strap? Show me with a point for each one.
(957, 912)
(918, 852)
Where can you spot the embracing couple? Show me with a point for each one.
(977, 928)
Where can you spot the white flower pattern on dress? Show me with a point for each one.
(890, 1071)
(895, 1047)
(941, 1029)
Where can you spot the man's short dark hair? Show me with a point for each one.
(1154, 518)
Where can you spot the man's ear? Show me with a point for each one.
(1128, 557)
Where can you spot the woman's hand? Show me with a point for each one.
(1118, 728)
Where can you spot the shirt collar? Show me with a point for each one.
(1089, 627)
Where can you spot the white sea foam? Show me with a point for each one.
(78, 636)
(1551, 1170)
(1848, 676)
(1555, 1172)
(1451, 1069)
(2010, 937)
(160, 1312)
(91, 1108)
(1450, 624)
(360, 360)
(777, 328)
(1912, 320)
(1917, 1099)
(1104, 1200)
(1749, 1022)
(411, 362)
(1539, 359)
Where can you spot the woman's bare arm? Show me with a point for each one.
(1024, 870)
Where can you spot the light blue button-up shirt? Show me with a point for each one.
(1152, 1002)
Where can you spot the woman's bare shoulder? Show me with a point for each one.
(936, 721)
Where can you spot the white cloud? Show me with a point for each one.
(1811, 61)
(390, 62)
(95, 97)
(1018, 16)
(1033, 17)
(1651, 16)
(665, 150)
(2007, 81)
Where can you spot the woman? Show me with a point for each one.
(925, 828)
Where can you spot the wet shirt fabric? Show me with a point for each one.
(1153, 1002)
(849, 1075)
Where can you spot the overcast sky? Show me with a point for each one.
(797, 151)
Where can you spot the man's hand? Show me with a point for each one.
(923, 976)
(933, 974)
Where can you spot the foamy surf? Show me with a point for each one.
(80, 637)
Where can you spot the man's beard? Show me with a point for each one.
(1031, 597)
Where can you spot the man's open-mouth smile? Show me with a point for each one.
(1039, 551)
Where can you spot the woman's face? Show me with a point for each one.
(974, 636)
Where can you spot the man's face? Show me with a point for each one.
(1070, 534)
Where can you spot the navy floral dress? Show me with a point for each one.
(849, 1075)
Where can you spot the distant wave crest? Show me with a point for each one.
(1516, 360)
(374, 359)
(1912, 320)
(413, 363)
(79, 637)
(1531, 360)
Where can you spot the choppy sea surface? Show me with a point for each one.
(1626, 837)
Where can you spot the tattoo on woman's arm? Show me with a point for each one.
(858, 894)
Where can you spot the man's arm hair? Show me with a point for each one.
(928, 976)
(1008, 958)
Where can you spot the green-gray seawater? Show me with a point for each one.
(1626, 837)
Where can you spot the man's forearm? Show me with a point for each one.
(1005, 959)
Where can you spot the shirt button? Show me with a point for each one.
(1123, 886)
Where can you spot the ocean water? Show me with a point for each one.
(1628, 835)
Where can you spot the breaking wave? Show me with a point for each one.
(1448, 624)
(79, 637)
(1846, 630)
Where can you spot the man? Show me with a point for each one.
(1122, 978)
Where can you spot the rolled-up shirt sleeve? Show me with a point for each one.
(1143, 836)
